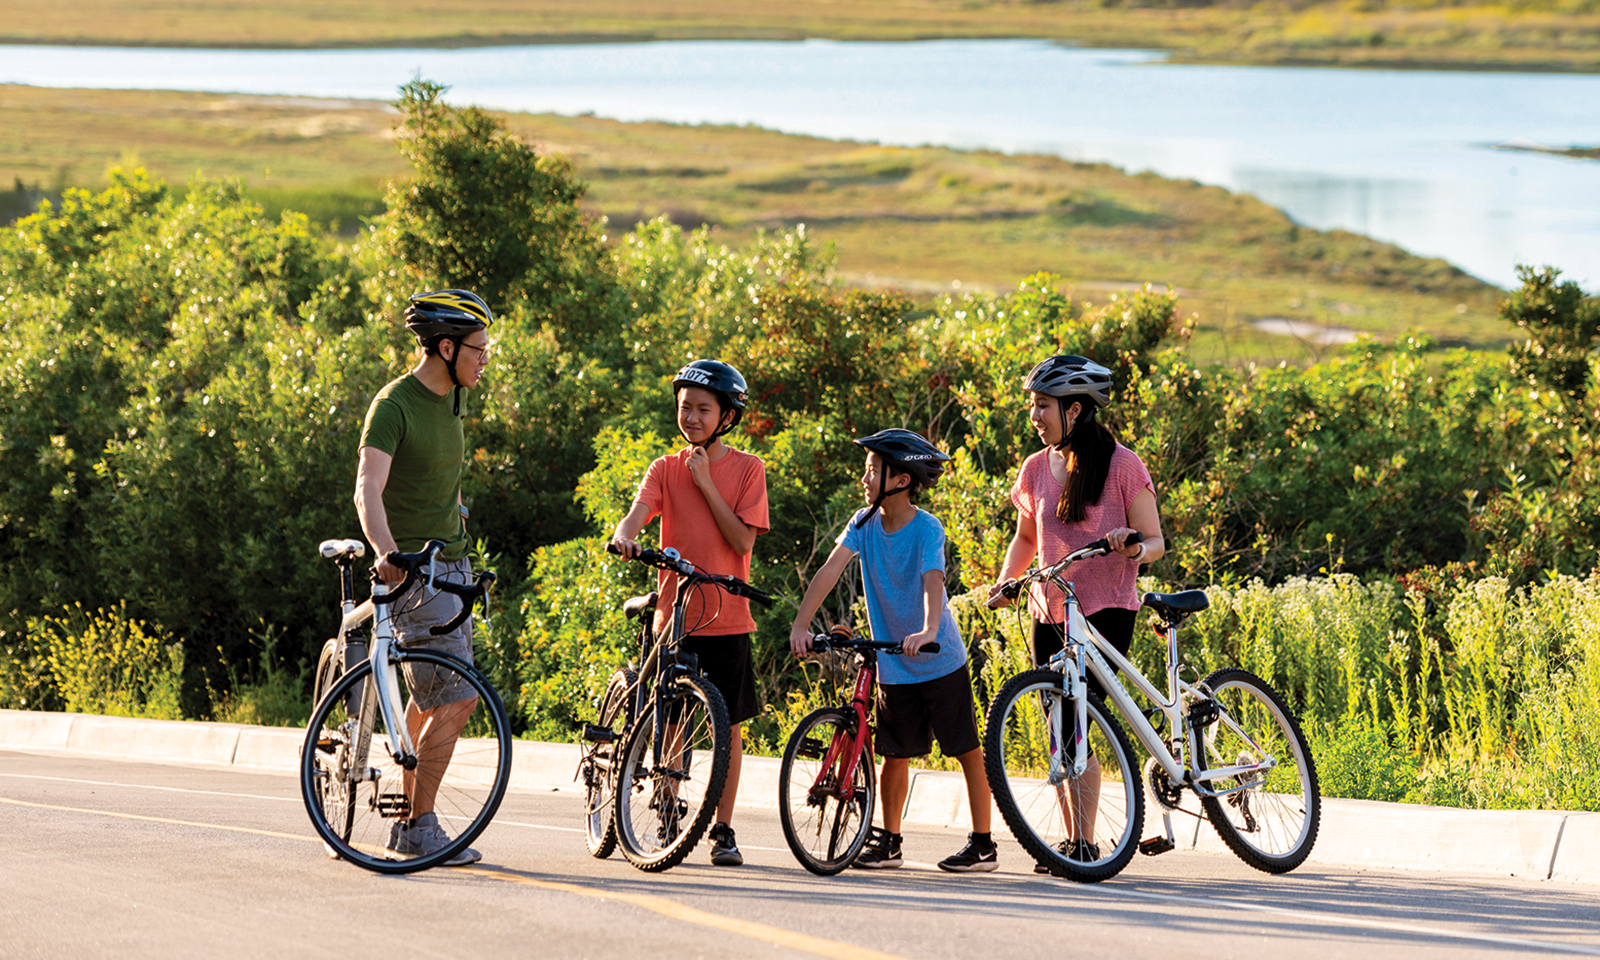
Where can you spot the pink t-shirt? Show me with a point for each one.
(688, 526)
(1100, 582)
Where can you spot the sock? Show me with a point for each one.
(894, 838)
(982, 839)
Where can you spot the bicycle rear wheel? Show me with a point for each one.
(359, 797)
(1269, 820)
(1087, 827)
(662, 807)
(825, 833)
(598, 770)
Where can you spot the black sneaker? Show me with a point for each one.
(724, 852)
(1080, 850)
(882, 850)
(1064, 848)
(975, 857)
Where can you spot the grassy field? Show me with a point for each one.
(930, 221)
(1526, 35)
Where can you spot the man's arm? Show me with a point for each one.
(821, 585)
(372, 475)
(932, 613)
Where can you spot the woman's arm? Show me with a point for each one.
(1142, 517)
(1024, 547)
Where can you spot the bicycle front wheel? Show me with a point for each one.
(1268, 819)
(825, 819)
(668, 788)
(1084, 827)
(598, 770)
(367, 806)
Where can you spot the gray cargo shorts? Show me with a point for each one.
(416, 613)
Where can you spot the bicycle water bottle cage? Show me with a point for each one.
(1174, 608)
(638, 608)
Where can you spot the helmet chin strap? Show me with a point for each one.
(883, 481)
(450, 365)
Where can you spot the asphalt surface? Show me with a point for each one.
(108, 858)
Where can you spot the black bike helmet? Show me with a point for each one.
(910, 453)
(1069, 376)
(447, 315)
(721, 379)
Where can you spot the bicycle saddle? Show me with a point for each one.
(1173, 607)
(637, 608)
(342, 548)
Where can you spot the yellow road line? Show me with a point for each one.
(671, 909)
(777, 936)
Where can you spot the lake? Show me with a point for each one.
(1405, 156)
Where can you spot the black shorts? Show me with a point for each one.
(1114, 623)
(725, 661)
(911, 715)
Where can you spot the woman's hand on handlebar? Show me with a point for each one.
(1125, 541)
(997, 596)
(800, 641)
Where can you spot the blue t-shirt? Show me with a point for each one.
(892, 565)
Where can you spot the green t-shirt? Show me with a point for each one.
(418, 429)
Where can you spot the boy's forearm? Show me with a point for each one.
(739, 534)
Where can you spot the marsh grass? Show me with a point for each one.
(920, 220)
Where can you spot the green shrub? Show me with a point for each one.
(1360, 760)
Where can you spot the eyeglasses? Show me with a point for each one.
(487, 350)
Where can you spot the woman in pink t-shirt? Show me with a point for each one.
(1082, 486)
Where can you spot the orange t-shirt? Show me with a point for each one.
(688, 526)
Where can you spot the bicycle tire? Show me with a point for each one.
(327, 670)
(1273, 824)
(472, 770)
(824, 833)
(1017, 743)
(661, 812)
(598, 769)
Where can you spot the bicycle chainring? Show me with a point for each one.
(1167, 796)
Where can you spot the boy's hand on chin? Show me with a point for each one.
(699, 464)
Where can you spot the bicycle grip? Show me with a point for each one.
(613, 548)
(1008, 590)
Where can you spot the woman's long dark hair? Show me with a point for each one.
(1088, 451)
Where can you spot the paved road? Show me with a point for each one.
(126, 860)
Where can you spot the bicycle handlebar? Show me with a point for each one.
(839, 641)
(415, 564)
(669, 559)
(1012, 588)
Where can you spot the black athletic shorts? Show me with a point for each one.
(911, 715)
(725, 661)
(1114, 623)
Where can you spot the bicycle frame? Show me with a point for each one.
(385, 682)
(857, 746)
(1085, 648)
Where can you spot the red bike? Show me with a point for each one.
(827, 786)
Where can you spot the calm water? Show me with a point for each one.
(1403, 156)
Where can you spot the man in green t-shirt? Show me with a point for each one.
(408, 491)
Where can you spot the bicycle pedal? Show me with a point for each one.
(1203, 713)
(810, 749)
(597, 734)
(1156, 845)
(393, 805)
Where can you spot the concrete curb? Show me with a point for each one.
(1539, 844)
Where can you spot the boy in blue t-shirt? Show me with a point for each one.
(919, 697)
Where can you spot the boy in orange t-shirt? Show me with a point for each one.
(712, 500)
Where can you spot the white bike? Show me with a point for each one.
(374, 758)
(1065, 778)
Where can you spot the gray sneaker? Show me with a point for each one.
(425, 837)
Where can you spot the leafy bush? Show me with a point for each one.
(1360, 760)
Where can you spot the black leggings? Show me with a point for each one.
(1114, 623)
